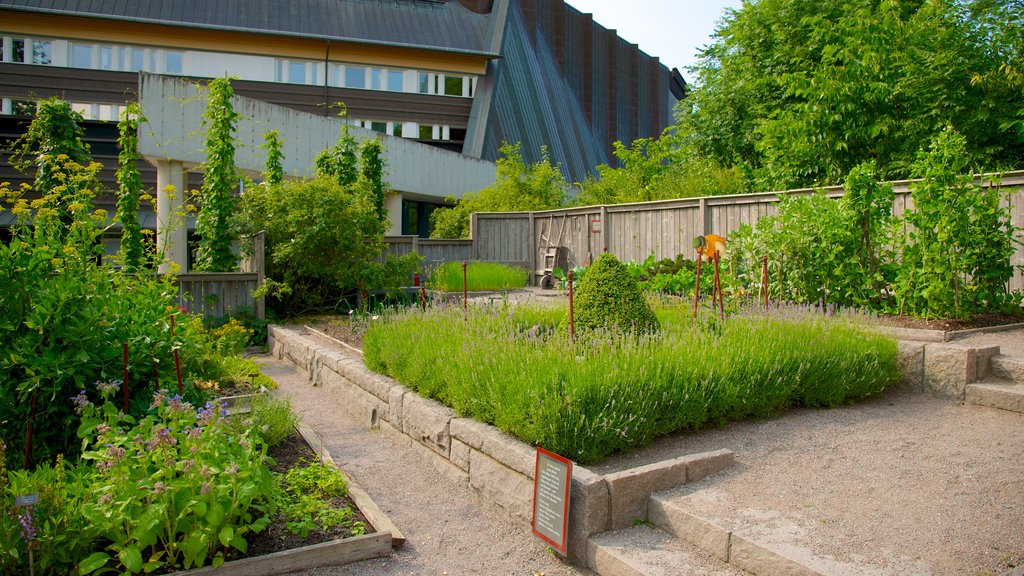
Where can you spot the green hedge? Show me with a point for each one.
(612, 392)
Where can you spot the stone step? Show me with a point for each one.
(1003, 394)
(1007, 368)
(647, 551)
(740, 549)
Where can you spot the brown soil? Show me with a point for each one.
(340, 327)
(276, 537)
(987, 320)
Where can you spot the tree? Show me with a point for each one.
(272, 144)
(132, 251)
(518, 186)
(798, 92)
(213, 223)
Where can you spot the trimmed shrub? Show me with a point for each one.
(608, 297)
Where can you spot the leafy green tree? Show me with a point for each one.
(133, 250)
(341, 161)
(518, 186)
(798, 92)
(213, 223)
(371, 164)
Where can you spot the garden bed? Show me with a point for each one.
(277, 550)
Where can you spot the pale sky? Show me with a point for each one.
(672, 30)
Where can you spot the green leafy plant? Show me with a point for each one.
(129, 180)
(272, 418)
(608, 297)
(959, 240)
(309, 496)
(175, 489)
(272, 144)
(213, 223)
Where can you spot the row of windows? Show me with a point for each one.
(126, 58)
(112, 113)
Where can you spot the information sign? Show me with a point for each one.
(552, 480)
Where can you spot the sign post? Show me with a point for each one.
(552, 480)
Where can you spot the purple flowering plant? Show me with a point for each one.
(174, 490)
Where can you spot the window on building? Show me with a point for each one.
(19, 51)
(426, 132)
(41, 52)
(397, 131)
(173, 63)
(424, 83)
(453, 86)
(297, 72)
(375, 79)
(138, 57)
(81, 56)
(106, 58)
(355, 77)
(395, 80)
(24, 107)
(457, 134)
(379, 126)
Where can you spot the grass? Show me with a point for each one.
(480, 276)
(606, 392)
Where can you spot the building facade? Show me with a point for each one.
(462, 75)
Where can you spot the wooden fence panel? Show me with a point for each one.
(217, 294)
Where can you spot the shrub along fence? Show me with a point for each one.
(633, 231)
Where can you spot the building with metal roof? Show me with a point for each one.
(462, 75)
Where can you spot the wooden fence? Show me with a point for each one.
(221, 293)
(666, 228)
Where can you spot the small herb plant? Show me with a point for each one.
(309, 494)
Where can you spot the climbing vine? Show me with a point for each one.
(371, 165)
(129, 189)
(213, 221)
(272, 144)
(340, 161)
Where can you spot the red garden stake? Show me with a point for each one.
(696, 290)
(764, 279)
(177, 370)
(716, 290)
(156, 374)
(572, 314)
(28, 434)
(124, 384)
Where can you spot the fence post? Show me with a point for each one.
(474, 232)
(605, 232)
(531, 244)
(259, 263)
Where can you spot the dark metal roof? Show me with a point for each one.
(429, 24)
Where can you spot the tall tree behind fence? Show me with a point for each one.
(633, 231)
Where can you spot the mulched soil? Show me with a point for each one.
(276, 538)
(338, 327)
(987, 320)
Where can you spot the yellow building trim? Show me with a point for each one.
(176, 37)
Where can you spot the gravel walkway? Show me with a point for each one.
(448, 529)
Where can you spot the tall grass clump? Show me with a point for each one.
(610, 391)
(480, 276)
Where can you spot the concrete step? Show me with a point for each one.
(1007, 368)
(647, 551)
(1003, 394)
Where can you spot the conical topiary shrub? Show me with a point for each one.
(608, 297)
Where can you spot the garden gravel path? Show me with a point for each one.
(449, 530)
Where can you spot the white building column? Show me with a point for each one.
(393, 204)
(171, 224)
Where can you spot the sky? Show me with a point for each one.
(672, 30)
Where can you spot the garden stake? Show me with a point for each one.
(716, 290)
(764, 279)
(572, 315)
(124, 385)
(177, 370)
(465, 291)
(28, 435)
(423, 298)
(156, 374)
(696, 290)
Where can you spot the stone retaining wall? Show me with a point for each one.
(943, 369)
(499, 467)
